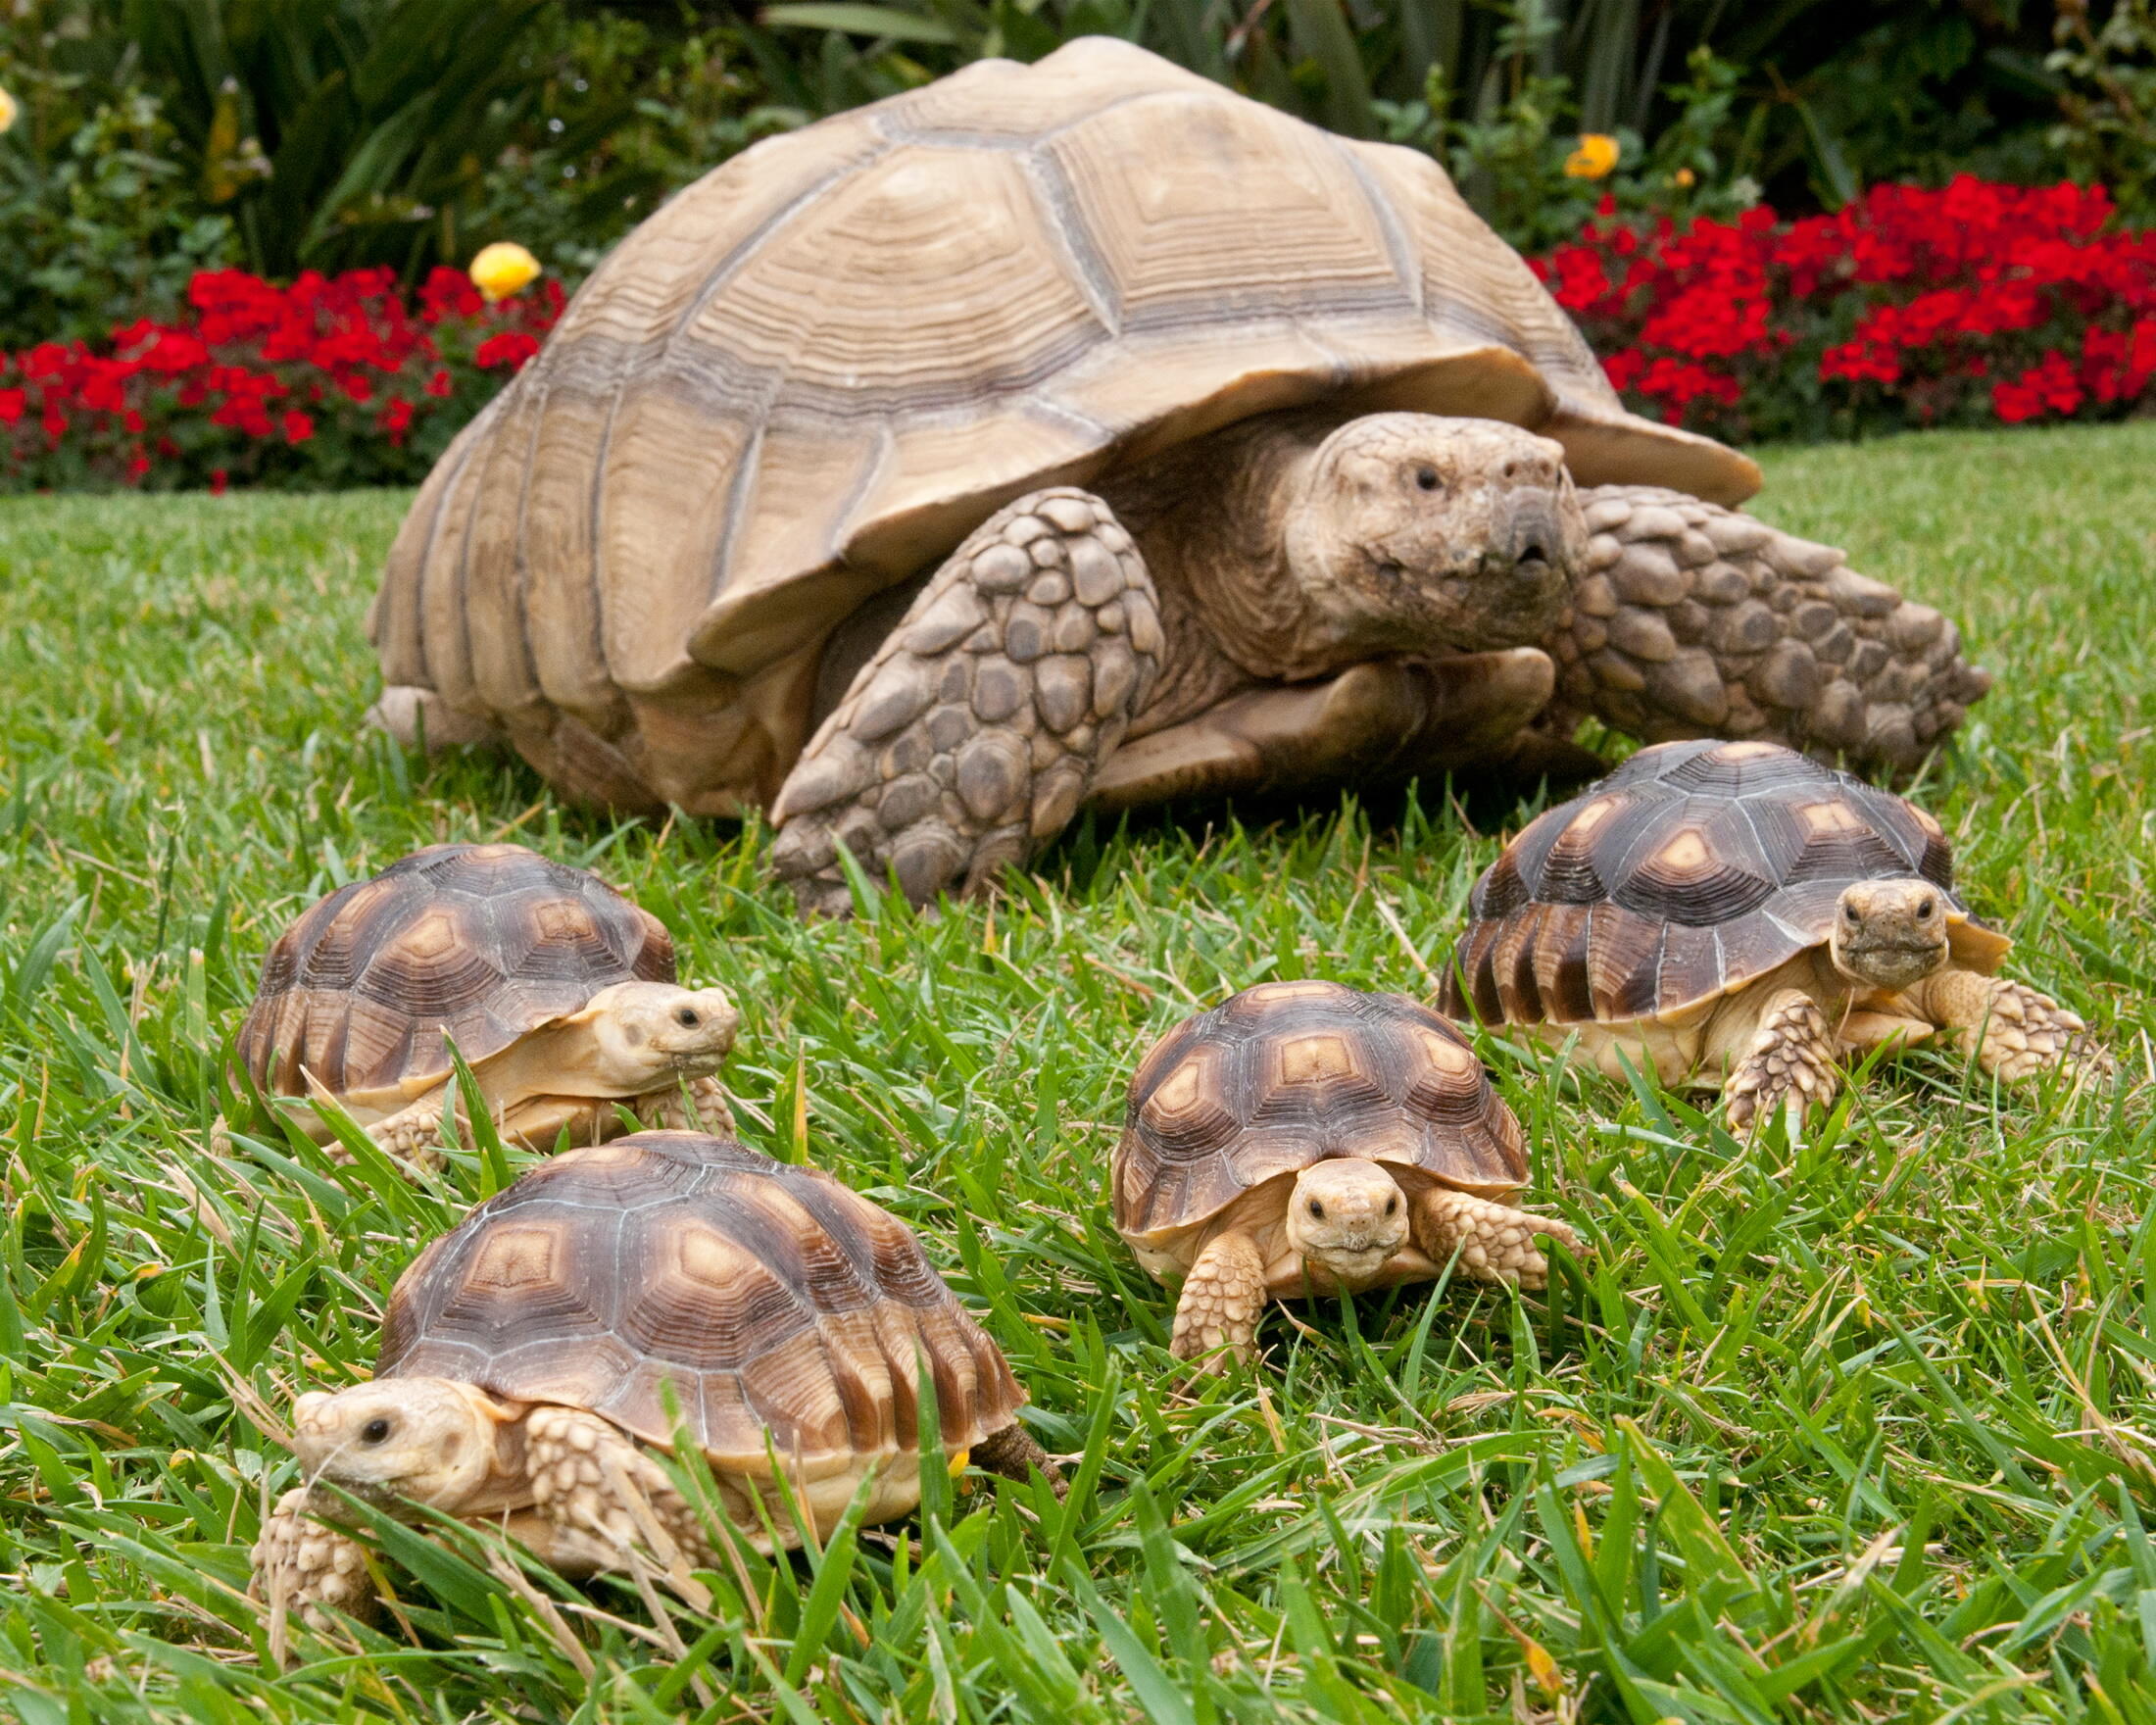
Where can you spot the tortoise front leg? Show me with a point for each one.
(1387, 720)
(2023, 1032)
(971, 737)
(1495, 1242)
(704, 1110)
(1689, 619)
(412, 1135)
(1223, 1298)
(596, 1484)
(305, 1569)
(1788, 1064)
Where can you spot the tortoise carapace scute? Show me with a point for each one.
(473, 945)
(1289, 1073)
(776, 1304)
(1691, 870)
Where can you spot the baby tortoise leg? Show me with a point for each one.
(1222, 1298)
(2023, 1031)
(1387, 720)
(1014, 1453)
(1495, 1243)
(595, 1482)
(971, 737)
(1788, 1063)
(412, 1136)
(703, 1109)
(305, 1569)
(1688, 619)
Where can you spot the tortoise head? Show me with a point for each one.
(1411, 533)
(1889, 933)
(1348, 1215)
(647, 1033)
(431, 1440)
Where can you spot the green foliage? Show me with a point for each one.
(2108, 128)
(97, 221)
(1855, 1427)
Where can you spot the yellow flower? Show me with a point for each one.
(1594, 158)
(502, 269)
(1684, 176)
(7, 109)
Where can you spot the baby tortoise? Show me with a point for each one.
(526, 1356)
(558, 991)
(1305, 1137)
(1736, 913)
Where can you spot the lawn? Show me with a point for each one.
(1860, 1427)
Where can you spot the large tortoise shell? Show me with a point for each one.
(777, 1303)
(473, 944)
(1692, 870)
(812, 373)
(1287, 1074)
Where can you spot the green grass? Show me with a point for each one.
(1859, 1428)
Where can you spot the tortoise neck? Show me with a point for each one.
(1211, 521)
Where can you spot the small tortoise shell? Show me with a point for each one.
(777, 1303)
(1289, 1073)
(1692, 870)
(475, 944)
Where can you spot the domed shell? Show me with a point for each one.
(778, 1304)
(812, 373)
(471, 944)
(1692, 870)
(1287, 1074)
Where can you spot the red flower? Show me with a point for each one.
(511, 348)
(12, 404)
(439, 383)
(298, 427)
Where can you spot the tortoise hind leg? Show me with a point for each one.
(975, 731)
(415, 716)
(1689, 619)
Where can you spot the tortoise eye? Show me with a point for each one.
(1317, 1209)
(374, 1431)
(1925, 910)
(1427, 478)
(1850, 916)
(685, 1017)
(1392, 1207)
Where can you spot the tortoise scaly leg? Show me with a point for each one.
(305, 1569)
(971, 737)
(1689, 619)
(704, 1110)
(1787, 1064)
(1223, 1297)
(2023, 1031)
(412, 1136)
(1496, 1242)
(596, 1483)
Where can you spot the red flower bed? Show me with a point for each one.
(329, 382)
(1974, 304)
(1969, 305)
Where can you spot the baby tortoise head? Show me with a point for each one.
(1889, 933)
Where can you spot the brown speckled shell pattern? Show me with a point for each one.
(477, 944)
(1694, 869)
(775, 1301)
(1289, 1073)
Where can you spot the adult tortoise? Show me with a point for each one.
(558, 991)
(1307, 1138)
(1086, 429)
(1737, 915)
(528, 1358)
